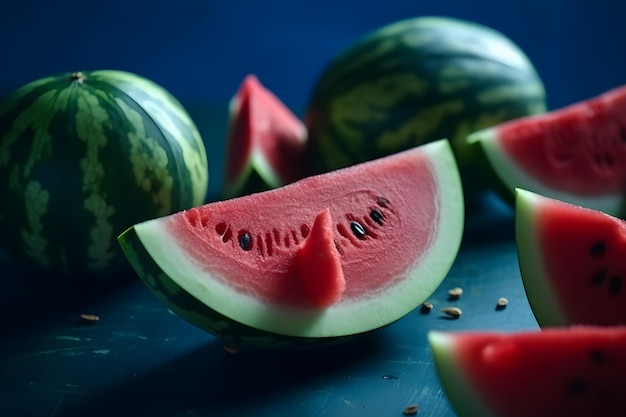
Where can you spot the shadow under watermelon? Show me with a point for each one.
(209, 381)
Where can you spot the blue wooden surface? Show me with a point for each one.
(140, 357)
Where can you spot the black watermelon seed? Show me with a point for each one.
(357, 229)
(615, 285)
(597, 249)
(596, 356)
(245, 241)
(622, 134)
(377, 216)
(598, 277)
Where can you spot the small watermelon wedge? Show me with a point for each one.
(265, 143)
(329, 256)
(575, 154)
(572, 261)
(574, 372)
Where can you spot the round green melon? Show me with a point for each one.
(85, 155)
(301, 264)
(415, 81)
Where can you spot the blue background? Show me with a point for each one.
(201, 50)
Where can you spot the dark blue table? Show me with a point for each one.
(142, 360)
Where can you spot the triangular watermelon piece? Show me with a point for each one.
(317, 263)
(265, 144)
(572, 261)
(573, 372)
(576, 153)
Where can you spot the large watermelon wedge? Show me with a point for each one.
(572, 261)
(328, 256)
(577, 371)
(575, 154)
(265, 144)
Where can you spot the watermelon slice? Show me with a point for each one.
(575, 154)
(572, 261)
(328, 256)
(576, 371)
(265, 144)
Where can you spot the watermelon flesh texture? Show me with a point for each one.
(575, 154)
(389, 230)
(575, 371)
(571, 261)
(265, 144)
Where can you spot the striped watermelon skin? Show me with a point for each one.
(83, 156)
(416, 81)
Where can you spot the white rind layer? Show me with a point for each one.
(540, 294)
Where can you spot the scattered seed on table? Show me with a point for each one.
(89, 318)
(502, 302)
(410, 410)
(452, 311)
(455, 293)
(427, 306)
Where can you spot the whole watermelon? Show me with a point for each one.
(415, 81)
(85, 155)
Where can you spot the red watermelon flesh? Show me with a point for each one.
(576, 153)
(572, 261)
(310, 258)
(576, 371)
(214, 232)
(264, 138)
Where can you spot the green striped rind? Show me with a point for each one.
(83, 158)
(191, 309)
(416, 81)
(174, 123)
